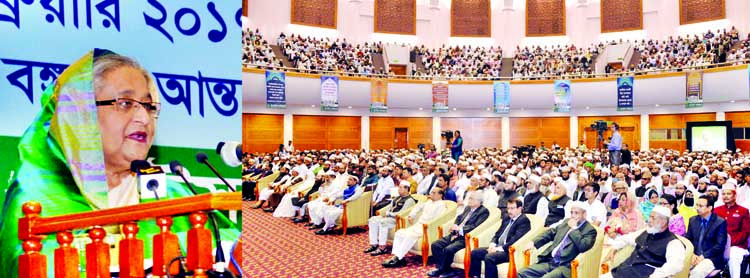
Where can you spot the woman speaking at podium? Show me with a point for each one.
(99, 116)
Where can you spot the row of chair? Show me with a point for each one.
(587, 264)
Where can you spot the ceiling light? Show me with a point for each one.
(350, 107)
(420, 108)
(587, 107)
(454, 108)
(313, 106)
(731, 101)
(657, 105)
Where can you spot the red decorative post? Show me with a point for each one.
(131, 253)
(66, 257)
(32, 263)
(199, 257)
(166, 248)
(97, 254)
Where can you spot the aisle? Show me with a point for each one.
(275, 247)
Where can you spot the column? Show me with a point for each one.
(644, 132)
(288, 127)
(365, 132)
(505, 132)
(721, 116)
(436, 129)
(573, 131)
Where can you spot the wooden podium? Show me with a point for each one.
(32, 228)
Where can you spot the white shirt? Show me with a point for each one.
(382, 189)
(675, 254)
(430, 210)
(596, 211)
(424, 185)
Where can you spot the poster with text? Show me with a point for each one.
(275, 89)
(501, 97)
(329, 93)
(625, 93)
(694, 89)
(379, 96)
(440, 96)
(562, 96)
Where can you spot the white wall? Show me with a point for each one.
(355, 22)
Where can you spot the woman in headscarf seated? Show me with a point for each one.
(99, 116)
(652, 200)
(625, 218)
(676, 222)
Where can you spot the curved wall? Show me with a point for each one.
(355, 22)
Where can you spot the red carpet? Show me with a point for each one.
(276, 247)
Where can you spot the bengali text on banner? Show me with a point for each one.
(329, 93)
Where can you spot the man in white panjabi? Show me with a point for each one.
(326, 192)
(266, 192)
(334, 208)
(286, 208)
(380, 225)
(405, 238)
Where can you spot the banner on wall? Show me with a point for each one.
(329, 93)
(440, 96)
(625, 93)
(562, 96)
(275, 89)
(694, 89)
(501, 96)
(379, 96)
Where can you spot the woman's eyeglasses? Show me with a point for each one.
(126, 105)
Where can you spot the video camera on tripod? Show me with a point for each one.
(448, 135)
(600, 127)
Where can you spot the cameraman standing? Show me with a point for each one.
(458, 145)
(615, 145)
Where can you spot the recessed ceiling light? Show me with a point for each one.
(454, 108)
(420, 108)
(732, 101)
(488, 109)
(313, 106)
(350, 107)
(587, 107)
(657, 105)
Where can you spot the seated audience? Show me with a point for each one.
(515, 225)
(708, 234)
(380, 225)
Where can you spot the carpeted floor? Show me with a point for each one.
(276, 247)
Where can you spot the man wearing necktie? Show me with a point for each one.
(515, 225)
(445, 248)
(568, 241)
(708, 234)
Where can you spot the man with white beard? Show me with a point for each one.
(334, 208)
(326, 192)
(658, 252)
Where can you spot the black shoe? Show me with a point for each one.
(268, 209)
(395, 262)
(309, 224)
(322, 232)
(371, 248)
(449, 274)
(434, 273)
(315, 227)
(379, 252)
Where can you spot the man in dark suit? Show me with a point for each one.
(515, 225)
(568, 241)
(445, 248)
(708, 234)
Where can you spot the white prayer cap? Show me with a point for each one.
(578, 204)
(729, 186)
(327, 162)
(663, 211)
(331, 173)
(558, 179)
(404, 183)
(276, 158)
(534, 179)
(723, 174)
(513, 179)
(522, 175)
(704, 180)
(565, 169)
(730, 181)
(470, 168)
(713, 187)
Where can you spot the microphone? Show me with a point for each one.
(149, 179)
(230, 152)
(219, 270)
(203, 159)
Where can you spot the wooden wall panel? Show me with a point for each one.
(740, 119)
(545, 18)
(621, 15)
(382, 131)
(533, 131)
(326, 132)
(318, 13)
(630, 130)
(477, 132)
(396, 16)
(675, 121)
(262, 132)
(694, 11)
(471, 18)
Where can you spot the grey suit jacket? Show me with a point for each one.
(579, 240)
